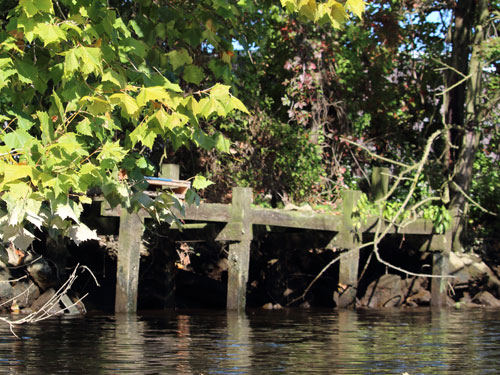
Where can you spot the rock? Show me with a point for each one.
(422, 298)
(485, 298)
(469, 268)
(42, 274)
(267, 306)
(387, 291)
(305, 305)
(26, 292)
(43, 299)
(391, 290)
(270, 306)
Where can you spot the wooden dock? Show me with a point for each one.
(239, 218)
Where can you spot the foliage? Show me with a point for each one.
(84, 101)
(388, 210)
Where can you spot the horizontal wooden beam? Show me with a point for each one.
(217, 212)
(296, 219)
(419, 226)
(204, 212)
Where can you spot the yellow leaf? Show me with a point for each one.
(356, 6)
(148, 94)
(12, 172)
(337, 14)
(128, 104)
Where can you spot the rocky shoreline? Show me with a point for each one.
(29, 280)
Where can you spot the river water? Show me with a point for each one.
(420, 341)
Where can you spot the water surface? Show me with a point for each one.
(259, 342)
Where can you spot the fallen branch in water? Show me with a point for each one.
(52, 307)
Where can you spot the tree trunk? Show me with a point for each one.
(464, 114)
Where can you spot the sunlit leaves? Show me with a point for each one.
(49, 33)
(32, 7)
(13, 172)
(113, 151)
(128, 105)
(201, 182)
(330, 11)
(87, 96)
(86, 60)
(356, 6)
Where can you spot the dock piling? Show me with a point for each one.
(239, 252)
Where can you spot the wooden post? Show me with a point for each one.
(239, 252)
(127, 270)
(129, 257)
(439, 290)
(170, 171)
(380, 182)
(348, 271)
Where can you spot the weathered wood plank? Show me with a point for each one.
(240, 225)
(215, 212)
(419, 226)
(349, 264)
(296, 219)
(440, 267)
(127, 271)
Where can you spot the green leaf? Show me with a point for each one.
(91, 58)
(193, 74)
(222, 143)
(17, 234)
(57, 101)
(96, 105)
(68, 210)
(112, 150)
(5, 62)
(220, 92)
(84, 127)
(32, 7)
(13, 172)
(200, 182)
(236, 103)
(128, 105)
(46, 127)
(179, 58)
(49, 33)
(71, 62)
(17, 139)
(144, 133)
(114, 77)
(337, 15)
(148, 94)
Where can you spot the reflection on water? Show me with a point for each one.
(259, 342)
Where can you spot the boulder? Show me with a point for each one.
(392, 290)
(469, 269)
(25, 292)
(421, 298)
(387, 291)
(485, 298)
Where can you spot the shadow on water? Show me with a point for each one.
(291, 341)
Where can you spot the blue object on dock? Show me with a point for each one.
(159, 179)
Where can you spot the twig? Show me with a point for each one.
(467, 196)
(50, 308)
